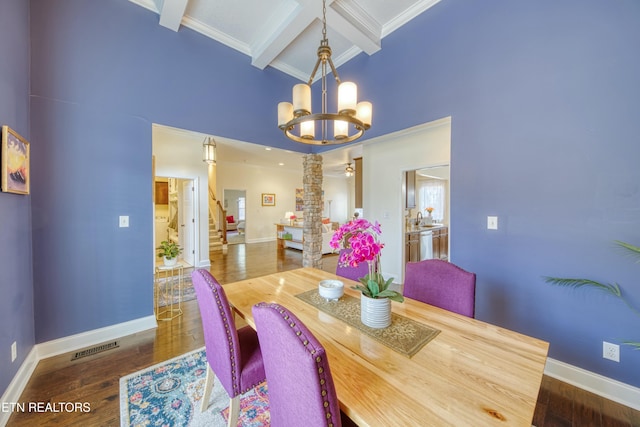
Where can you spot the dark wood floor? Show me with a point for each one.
(95, 379)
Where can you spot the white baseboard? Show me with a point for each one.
(204, 263)
(18, 383)
(65, 345)
(606, 387)
(260, 240)
(96, 336)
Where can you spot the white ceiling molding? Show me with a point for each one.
(283, 33)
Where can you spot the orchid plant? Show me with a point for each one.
(361, 236)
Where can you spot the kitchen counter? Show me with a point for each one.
(418, 229)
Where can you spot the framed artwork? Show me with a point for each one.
(268, 199)
(299, 199)
(14, 162)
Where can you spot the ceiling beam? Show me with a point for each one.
(356, 25)
(172, 13)
(290, 28)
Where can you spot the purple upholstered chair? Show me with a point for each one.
(353, 273)
(301, 389)
(233, 356)
(442, 284)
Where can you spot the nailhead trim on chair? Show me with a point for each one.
(312, 351)
(225, 320)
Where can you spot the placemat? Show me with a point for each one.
(406, 336)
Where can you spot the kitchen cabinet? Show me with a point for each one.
(409, 189)
(412, 250)
(441, 243)
(415, 239)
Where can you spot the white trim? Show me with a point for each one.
(96, 336)
(606, 387)
(65, 345)
(18, 383)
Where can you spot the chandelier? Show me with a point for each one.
(348, 171)
(352, 116)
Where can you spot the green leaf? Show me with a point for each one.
(362, 289)
(392, 295)
(632, 344)
(578, 283)
(633, 250)
(373, 287)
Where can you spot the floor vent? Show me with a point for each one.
(95, 350)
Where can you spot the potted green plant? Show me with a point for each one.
(169, 252)
(361, 237)
(611, 289)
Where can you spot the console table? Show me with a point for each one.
(168, 283)
(282, 233)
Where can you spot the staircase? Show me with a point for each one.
(215, 241)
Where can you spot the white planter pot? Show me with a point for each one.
(170, 262)
(375, 312)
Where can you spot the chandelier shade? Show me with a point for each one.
(297, 120)
(209, 151)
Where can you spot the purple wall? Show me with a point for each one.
(16, 282)
(544, 98)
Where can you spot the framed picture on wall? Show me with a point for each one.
(14, 162)
(268, 199)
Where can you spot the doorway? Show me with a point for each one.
(235, 204)
(175, 215)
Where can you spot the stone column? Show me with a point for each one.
(312, 231)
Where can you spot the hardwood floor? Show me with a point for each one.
(95, 379)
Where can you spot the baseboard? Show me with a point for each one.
(96, 336)
(18, 383)
(606, 387)
(204, 263)
(260, 240)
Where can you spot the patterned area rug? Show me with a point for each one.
(170, 394)
(188, 293)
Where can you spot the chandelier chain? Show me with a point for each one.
(324, 20)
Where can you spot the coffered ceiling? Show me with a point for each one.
(285, 34)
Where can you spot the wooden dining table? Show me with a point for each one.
(471, 374)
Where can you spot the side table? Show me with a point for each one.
(168, 283)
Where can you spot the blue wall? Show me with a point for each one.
(544, 98)
(103, 72)
(16, 282)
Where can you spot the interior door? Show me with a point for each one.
(187, 226)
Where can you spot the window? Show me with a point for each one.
(432, 193)
(241, 209)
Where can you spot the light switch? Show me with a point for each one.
(492, 222)
(124, 221)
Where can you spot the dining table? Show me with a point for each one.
(461, 371)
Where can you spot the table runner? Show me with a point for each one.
(406, 336)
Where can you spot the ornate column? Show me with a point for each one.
(312, 231)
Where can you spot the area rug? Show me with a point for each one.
(170, 394)
(165, 297)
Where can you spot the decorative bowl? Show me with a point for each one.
(331, 290)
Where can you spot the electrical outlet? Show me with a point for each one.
(611, 351)
(14, 351)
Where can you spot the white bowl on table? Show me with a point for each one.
(331, 290)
